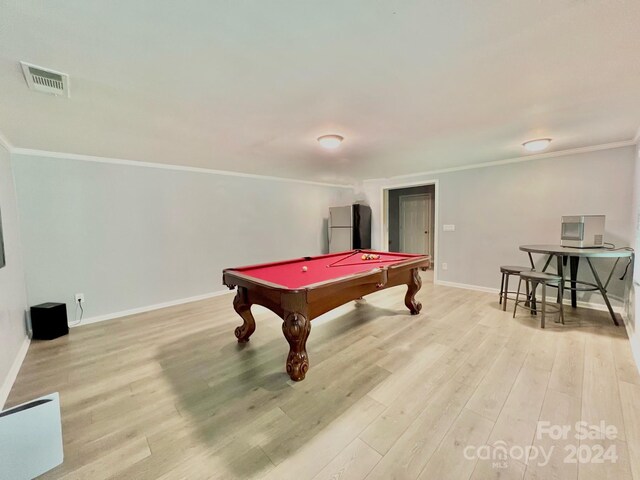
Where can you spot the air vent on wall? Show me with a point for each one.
(45, 80)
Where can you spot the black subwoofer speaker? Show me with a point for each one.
(49, 321)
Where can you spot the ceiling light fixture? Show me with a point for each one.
(330, 142)
(536, 145)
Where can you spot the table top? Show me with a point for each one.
(290, 273)
(576, 252)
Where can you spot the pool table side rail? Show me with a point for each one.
(317, 257)
(232, 277)
(418, 262)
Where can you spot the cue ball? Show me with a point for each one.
(304, 269)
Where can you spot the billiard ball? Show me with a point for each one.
(304, 269)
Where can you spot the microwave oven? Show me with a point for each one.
(583, 231)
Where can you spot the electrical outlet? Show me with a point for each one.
(79, 297)
(445, 266)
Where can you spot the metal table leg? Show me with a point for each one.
(574, 262)
(603, 292)
(560, 262)
(533, 265)
(534, 306)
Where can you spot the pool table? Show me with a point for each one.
(302, 289)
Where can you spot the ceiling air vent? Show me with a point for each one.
(45, 80)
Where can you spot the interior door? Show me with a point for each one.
(415, 224)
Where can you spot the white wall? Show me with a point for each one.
(633, 309)
(129, 237)
(497, 208)
(13, 301)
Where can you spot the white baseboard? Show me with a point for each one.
(635, 348)
(467, 286)
(149, 308)
(632, 319)
(13, 372)
(496, 291)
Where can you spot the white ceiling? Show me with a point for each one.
(413, 85)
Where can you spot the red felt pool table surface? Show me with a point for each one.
(289, 274)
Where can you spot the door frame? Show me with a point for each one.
(428, 213)
(384, 215)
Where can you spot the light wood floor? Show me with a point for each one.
(170, 395)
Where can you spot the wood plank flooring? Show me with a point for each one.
(169, 394)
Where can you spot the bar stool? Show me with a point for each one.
(544, 279)
(508, 270)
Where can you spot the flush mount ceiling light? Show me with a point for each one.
(536, 145)
(330, 142)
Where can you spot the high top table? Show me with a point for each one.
(574, 255)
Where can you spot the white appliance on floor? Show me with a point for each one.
(31, 438)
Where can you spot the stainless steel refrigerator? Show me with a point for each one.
(349, 228)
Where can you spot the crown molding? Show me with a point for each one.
(136, 163)
(167, 166)
(527, 158)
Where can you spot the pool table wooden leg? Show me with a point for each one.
(242, 306)
(296, 330)
(414, 284)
